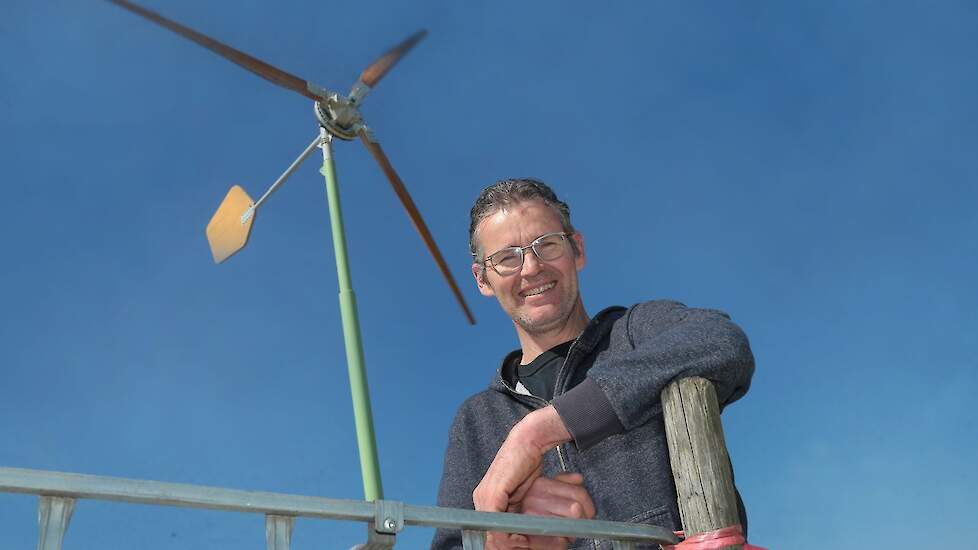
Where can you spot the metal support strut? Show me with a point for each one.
(278, 531)
(363, 418)
(473, 540)
(53, 515)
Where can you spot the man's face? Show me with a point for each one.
(519, 294)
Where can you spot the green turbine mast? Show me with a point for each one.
(338, 116)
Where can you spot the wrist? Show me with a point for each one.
(542, 429)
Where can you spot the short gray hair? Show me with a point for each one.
(507, 192)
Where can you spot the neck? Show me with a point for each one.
(535, 343)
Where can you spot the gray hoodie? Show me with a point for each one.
(607, 394)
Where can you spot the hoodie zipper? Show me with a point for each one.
(570, 350)
(560, 454)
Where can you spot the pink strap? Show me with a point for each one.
(713, 540)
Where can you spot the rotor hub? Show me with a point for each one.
(339, 117)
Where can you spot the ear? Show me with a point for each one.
(481, 281)
(581, 258)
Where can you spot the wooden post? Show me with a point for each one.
(698, 455)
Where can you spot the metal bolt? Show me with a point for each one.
(390, 524)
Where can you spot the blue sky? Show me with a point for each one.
(808, 168)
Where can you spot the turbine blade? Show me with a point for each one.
(257, 66)
(372, 74)
(378, 153)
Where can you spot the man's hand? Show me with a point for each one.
(562, 496)
(519, 460)
(511, 476)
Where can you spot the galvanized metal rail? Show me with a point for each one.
(59, 491)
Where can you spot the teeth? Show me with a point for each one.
(539, 289)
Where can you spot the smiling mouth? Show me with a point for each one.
(538, 290)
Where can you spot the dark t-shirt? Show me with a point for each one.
(540, 376)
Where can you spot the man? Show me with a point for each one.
(572, 423)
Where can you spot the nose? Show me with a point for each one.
(531, 264)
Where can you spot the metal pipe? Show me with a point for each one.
(278, 532)
(288, 172)
(41, 482)
(53, 516)
(362, 415)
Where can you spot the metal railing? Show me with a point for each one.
(59, 491)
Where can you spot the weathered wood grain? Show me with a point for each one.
(698, 455)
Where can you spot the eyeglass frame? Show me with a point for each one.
(564, 235)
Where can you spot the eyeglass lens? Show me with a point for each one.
(547, 248)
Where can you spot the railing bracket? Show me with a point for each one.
(388, 516)
(382, 531)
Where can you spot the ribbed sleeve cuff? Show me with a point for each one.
(587, 414)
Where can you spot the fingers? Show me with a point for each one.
(573, 478)
(507, 541)
(513, 541)
(539, 542)
(563, 496)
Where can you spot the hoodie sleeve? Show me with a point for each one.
(652, 345)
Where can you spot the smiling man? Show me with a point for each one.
(572, 424)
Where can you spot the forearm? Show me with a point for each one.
(659, 343)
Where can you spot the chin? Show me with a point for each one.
(539, 324)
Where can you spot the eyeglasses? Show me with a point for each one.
(547, 247)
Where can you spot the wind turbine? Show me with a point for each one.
(338, 116)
